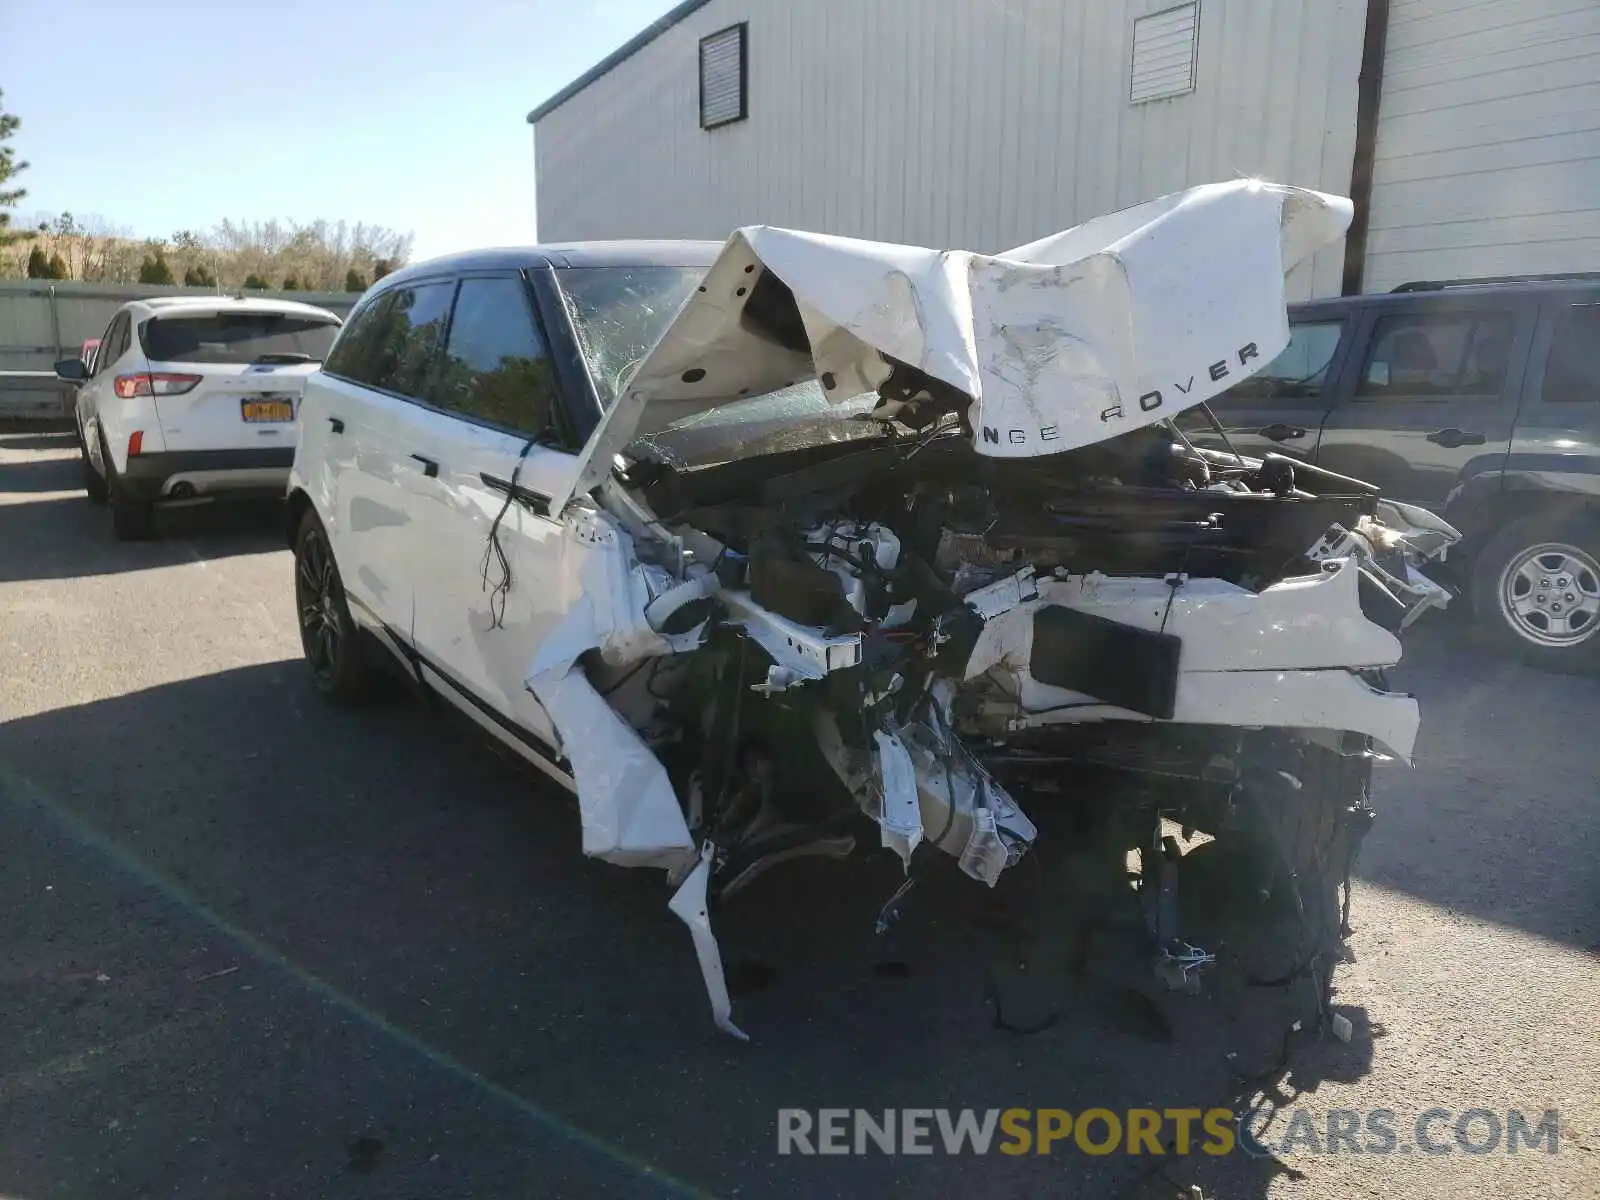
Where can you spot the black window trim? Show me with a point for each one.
(1551, 311)
(744, 74)
(558, 411)
(1444, 309)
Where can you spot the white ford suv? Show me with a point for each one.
(801, 543)
(191, 398)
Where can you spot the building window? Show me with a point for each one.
(1164, 48)
(724, 77)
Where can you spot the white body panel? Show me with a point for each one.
(365, 486)
(484, 571)
(211, 417)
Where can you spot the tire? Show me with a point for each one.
(94, 484)
(1536, 591)
(132, 519)
(1275, 879)
(335, 650)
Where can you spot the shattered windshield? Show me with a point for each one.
(618, 314)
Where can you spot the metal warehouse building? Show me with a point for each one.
(1468, 131)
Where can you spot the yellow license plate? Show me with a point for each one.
(267, 411)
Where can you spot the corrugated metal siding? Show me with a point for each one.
(973, 123)
(1488, 150)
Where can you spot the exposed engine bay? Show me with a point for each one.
(908, 628)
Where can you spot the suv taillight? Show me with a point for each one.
(158, 383)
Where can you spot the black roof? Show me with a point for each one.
(640, 253)
(626, 51)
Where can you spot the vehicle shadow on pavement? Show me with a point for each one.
(430, 888)
(54, 436)
(67, 537)
(1508, 833)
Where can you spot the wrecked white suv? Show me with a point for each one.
(764, 547)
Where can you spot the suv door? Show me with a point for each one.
(96, 391)
(353, 419)
(487, 558)
(1280, 408)
(1433, 401)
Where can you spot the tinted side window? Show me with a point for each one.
(354, 352)
(410, 336)
(1424, 355)
(107, 354)
(1572, 373)
(496, 367)
(1301, 369)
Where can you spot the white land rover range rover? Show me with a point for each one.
(723, 540)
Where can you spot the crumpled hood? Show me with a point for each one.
(1118, 323)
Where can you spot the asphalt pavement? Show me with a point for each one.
(255, 946)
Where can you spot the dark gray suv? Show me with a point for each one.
(1479, 400)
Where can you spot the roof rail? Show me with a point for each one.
(1438, 285)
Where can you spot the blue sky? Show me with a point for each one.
(173, 114)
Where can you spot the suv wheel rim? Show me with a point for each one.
(317, 593)
(1550, 594)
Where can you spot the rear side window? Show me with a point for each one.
(112, 344)
(407, 339)
(354, 354)
(1301, 369)
(1428, 355)
(237, 337)
(495, 366)
(1572, 373)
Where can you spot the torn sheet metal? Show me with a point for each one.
(630, 813)
(901, 816)
(688, 904)
(972, 816)
(1117, 324)
(1302, 700)
(1305, 623)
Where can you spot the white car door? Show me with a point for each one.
(355, 418)
(485, 563)
(96, 392)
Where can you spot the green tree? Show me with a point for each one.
(58, 268)
(38, 264)
(291, 284)
(381, 268)
(354, 281)
(255, 283)
(199, 275)
(10, 165)
(155, 269)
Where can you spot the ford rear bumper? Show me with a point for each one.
(185, 474)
